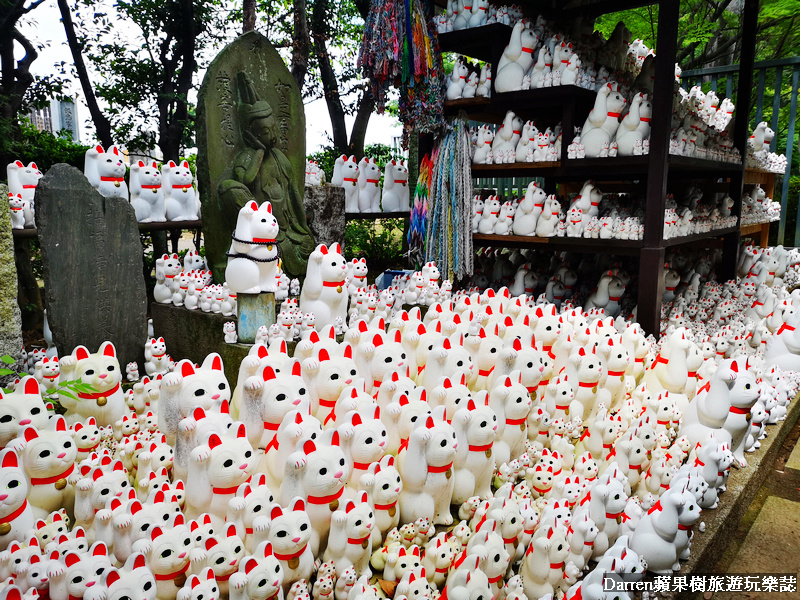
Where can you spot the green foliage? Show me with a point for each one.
(70, 389)
(45, 149)
(379, 241)
(326, 158)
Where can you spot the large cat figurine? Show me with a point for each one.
(105, 170)
(147, 193)
(16, 515)
(102, 372)
(180, 197)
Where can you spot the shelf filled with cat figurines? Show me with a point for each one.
(757, 208)
(759, 155)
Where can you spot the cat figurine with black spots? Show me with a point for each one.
(260, 576)
(147, 193)
(289, 532)
(16, 515)
(317, 472)
(102, 372)
(105, 170)
(350, 539)
(47, 457)
(216, 470)
(187, 388)
(180, 198)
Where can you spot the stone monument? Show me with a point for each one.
(93, 261)
(251, 146)
(10, 320)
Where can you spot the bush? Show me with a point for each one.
(379, 241)
(41, 147)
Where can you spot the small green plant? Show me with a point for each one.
(70, 389)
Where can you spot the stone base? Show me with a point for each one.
(254, 310)
(194, 334)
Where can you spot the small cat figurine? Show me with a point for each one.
(134, 580)
(383, 485)
(350, 539)
(216, 470)
(289, 533)
(16, 515)
(167, 553)
(200, 587)
(156, 359)
(260, 577)
(77, 572)
(188, 387)
(101, 371)
(47, 372)
(180, 197)
(252, 500)
(22, 407)
(222, 553)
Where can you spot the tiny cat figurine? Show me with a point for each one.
(200, 587)
(180, 198)
(156, 359)
(16, 515)
(252, 500)
(147, 194)
(23, 180)
(87, 438)
(105, 170)
(289, 533)
(47, 372)
(17, 207)
(102, 372)
(260, 576)
(383, 485)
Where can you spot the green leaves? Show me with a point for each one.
(9, 360)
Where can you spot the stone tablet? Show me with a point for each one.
(251, 146)
(325, 209)
(92, 266)
(10, 320)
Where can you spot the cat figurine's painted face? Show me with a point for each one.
(87, 437)
(224, 552)
(149, 174)
(134, 582)
(368, 442)
(22, 407)
(84, 571)
(170, 547)
(205, 387)
(48, 452)
(48, 530)
(232, 460)
(101, 370)
(283, 392)
(263, 572)
(200, 587)
(289, 531)
(107, 482)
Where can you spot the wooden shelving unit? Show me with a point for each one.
(570, 105)
(374, 216)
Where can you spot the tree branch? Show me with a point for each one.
(101, 124)
(300, 44)
(248, 15)
(365, 107)
(330, 85)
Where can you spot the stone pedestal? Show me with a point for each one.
(324, 206)
(10, 322)
(254, 310)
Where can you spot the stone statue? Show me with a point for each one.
(251, 147)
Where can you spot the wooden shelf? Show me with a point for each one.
(477, 42)
(31, 232)
(526, 169)
(366, 216)
(565, 244)
(699, 237)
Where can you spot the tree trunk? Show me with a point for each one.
(248, 15)
(101, 124)
(300, 44)
(330, 86)
(359, 131)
